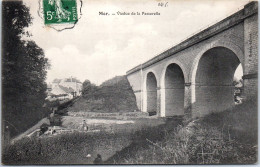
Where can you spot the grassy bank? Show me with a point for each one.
(228, 137)
(72, 148)
(114, 95)
(64, 149)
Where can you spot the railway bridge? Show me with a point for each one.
(195, 77)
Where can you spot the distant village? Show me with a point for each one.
(64, 89)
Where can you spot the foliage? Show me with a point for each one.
(228, 137)
(51, 104)
(113, 95)
(24, 70)
(88, 89)
(237, 82)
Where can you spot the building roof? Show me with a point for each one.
(56, 81)
(50, 94)
(71, 80)
(61, 90)
(67, 90)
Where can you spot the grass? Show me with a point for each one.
(75, 122)
(114, 95)
(117, 115)
(229, 137)
(72, 148)
(64, 149)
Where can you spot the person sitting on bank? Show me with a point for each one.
(52, 116)
(85, 126)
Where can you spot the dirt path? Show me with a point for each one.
(36, 126)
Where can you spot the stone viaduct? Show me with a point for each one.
(195, 77)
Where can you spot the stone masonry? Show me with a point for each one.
(195, 77)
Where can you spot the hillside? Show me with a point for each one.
(228, 137)
(114, 95)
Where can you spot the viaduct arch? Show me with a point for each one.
(151, 92)
(195, 77)
(173, 91)
(212, 81)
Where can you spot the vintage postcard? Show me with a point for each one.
(129, 82)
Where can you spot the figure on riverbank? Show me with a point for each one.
(85, 126)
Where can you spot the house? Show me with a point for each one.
(62, 89)
(73, 83)
(62, 93)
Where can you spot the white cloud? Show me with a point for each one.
(145, 28)
(100, 47)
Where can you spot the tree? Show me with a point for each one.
(24, 69)
(89, 89)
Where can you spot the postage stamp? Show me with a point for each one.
(60, 11)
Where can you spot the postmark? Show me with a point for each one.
(60, 11)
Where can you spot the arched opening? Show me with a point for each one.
(151, 89)
(174, 90)
(238, 84)
(214, 90)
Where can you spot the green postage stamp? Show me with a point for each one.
(60, 11)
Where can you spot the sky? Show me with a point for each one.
(100, 47)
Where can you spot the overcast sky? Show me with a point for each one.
(101, 47)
